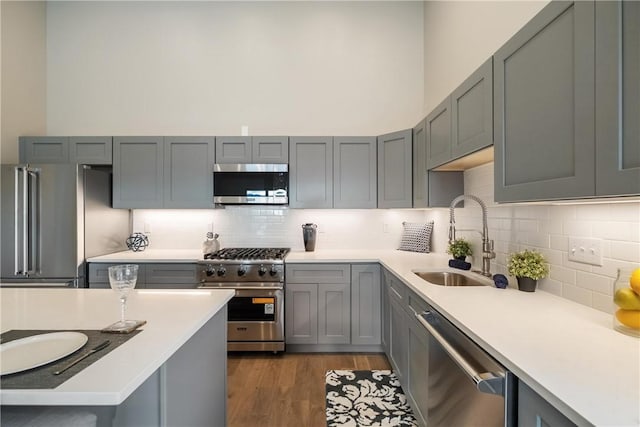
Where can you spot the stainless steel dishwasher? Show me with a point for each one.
(466, 386)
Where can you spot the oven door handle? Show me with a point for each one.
(242, 288)
(486, 382)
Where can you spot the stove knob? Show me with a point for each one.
(262, 271)
(242, 270)
(273, 271)
(222, 271)
(210, 271)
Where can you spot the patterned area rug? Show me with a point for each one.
(366, 398)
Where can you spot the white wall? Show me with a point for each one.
(277, 227)
(460, 35)
(189, 68)
(23, 74)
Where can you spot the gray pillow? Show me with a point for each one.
(416, 237)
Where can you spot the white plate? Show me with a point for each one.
(31, 352)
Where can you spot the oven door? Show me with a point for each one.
(256, 314)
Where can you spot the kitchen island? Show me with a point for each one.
(172, 373)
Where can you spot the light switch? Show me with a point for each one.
(585, 250)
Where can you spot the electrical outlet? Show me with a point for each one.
(385, 228)
(147, 228)
(586, 251)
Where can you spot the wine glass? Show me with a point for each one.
(122, 279)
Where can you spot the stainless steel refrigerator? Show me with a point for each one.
(53, 218)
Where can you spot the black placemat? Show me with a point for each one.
(42, 377)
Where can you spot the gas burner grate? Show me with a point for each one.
(248, 254)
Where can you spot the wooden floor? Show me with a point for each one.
(287, 389)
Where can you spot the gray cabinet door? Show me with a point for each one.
(301, 313)
(334, 308)
(43, 149)
(395, 170)
(98, 275)
(233, 149)
(311, 172)
(438, 134)
(420, 197)
(91, 150)
(354, 172)
(534, 411)
(270, 149)
(138, 172)
(171, 275)
(417, 374)
(398, 338)
(618, 96)
(188, 172)
(472, 112)
(544, 107)
(365, 304)
(386, 323)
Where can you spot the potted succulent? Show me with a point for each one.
(459, 249)
(528, 266)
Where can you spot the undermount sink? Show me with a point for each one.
(448, 278)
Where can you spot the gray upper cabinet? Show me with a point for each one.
(438, 134)
(188, 172)
(44, 149)
(420, 165)
(86, 150)
(544, 107)
(432, 188)
(354, 172)
(270, 149)
(138, 172)
(618, 96)
(91, 150)
(233, 149)
(395, 170)
(163, 172)
(252, 149)
(472, 112)
(311, 172)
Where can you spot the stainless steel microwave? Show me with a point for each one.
(251, 184)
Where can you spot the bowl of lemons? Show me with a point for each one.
(626, 297)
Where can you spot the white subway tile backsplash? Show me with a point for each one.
(626, 251)
(577, 228)
(562, 274)
(550, 285)
(579, 295)
(594, 282)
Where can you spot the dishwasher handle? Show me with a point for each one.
(486, 382)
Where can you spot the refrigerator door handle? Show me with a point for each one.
(34, 221)
(17, 246)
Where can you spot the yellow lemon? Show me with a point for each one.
(634, 280)
(627, 299)
(630, 318)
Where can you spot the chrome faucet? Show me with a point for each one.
(487, 245)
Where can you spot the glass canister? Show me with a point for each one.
(626, 297)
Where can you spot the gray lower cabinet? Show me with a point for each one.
(311, 172)
(385, 312)
(354, 172)
(618, 98)
(395, 173)
(150, 275)
(398, 345)
(366, 320)
(318, 304)
(535, 411)
(417, 380)
(163, 172)
(252, 149)
(89, 150)
(544, 107)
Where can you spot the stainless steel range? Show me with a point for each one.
(256, 313)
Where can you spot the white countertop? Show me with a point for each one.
(151, 255)
(566, 352)
(172, 318)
